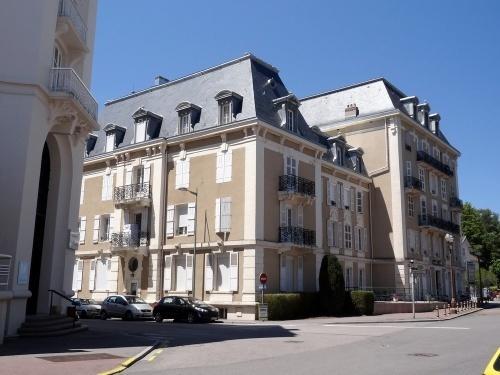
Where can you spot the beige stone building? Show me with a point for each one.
(47, 112)
(196, 186)
(415, 206)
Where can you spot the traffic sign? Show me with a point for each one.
(263, 278)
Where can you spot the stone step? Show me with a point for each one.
(52, 320)
(61, 332)
(47, 328)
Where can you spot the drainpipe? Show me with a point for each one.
(371, 234)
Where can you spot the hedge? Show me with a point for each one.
(362, 302)
(331, 286)
(292, 305)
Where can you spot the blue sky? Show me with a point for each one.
(445, 52)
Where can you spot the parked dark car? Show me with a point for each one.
(125, 307)
(184, 308)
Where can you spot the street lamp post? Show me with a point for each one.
(449, 239)
(195, 193)
(480, 297)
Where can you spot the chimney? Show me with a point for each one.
(423, 114)
(410, 104)
(434, 122)
(351, 111)
(160, 80)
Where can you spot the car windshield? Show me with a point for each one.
(88, 302)
(134, 300)
(194, 301)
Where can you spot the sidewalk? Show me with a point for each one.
(88, 352)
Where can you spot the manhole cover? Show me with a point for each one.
(79, 357)
(423, 355)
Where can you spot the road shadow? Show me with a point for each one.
(121, 334)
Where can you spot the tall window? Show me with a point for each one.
(408, 168)
(105, 228)
(223, 215)
(411, 206)
(443, 189)
(181, 219)
(359, 202)
(291, 166)
(347, 236)
(434, 183)
(140, 131)
(184, 125)
(423, 206)
(182, 173)
(224, 166)
(290, 120)
(421, 177)
(225, 112)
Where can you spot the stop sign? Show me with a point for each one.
(263, 278)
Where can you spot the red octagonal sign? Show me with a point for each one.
(263, 278)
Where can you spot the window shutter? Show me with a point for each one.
(209, 272)
(191, 218)
(104, 189)
(300, 273)
(189, 272)
(83, 227)
(219, 168)
(147, 172)
(92, 274)
(329, 192)
(185, 176)
(170, 220)
(82, 191)
(233, 261)
(283, 286)
(178, 174)
(353, 199)
(128, 175)
(225, 214)
(300, 216)
(217, 215)
(111, 225)
(228, 165)
(329, 228)
(283, 222)
(167, 273)
(111, 280)
(75, 275)
(340, 236)
(79, 275)
(97, 223)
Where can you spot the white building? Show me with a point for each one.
(47, 112)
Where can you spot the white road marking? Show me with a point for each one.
(386, 326)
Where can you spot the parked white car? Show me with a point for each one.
(125, 307)
(86, 308)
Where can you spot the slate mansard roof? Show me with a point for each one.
(246, 76)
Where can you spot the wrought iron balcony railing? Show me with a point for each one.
(413, 183)
(433, 221)
(298, 236)
(131, 192)
(66, 80)
(296, 184)
(67, 8)
(129, 239)
(456, 203)
(432, 161)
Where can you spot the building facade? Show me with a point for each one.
(196, 186)
(415, 205)
(48, 110)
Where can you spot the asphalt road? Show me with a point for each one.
(315, 346)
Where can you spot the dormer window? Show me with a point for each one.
(410, 105)
(110, 141)
(91, 141)
(114, 136)
(290, 120)
(230, 105)
(147, 125)
(355, 155)
(338, 149)
(140, 131)
(423, 114)
(287, 110)
(189, 116)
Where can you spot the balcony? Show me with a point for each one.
(413, 184)
(297, 236)
(435, 222)
(129, 240)
(433, 162)
(296, 189)
(71, 27)
(132, 195)
(64, 83)
(456, 203)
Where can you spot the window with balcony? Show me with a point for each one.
(223, 215)
(436, 153)
(421, 177)
(411, 206)
(224, 166)
(291, 166)
(182, 173)
(347, 236)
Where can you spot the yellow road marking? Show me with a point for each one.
(158, 351)
(152, 358)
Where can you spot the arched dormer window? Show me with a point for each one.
(189, 116)
(114, 136)
(230, 105)
(147, 125)
(288, 111)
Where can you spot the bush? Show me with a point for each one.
(292, 305)
(362, 301)
(331, 286)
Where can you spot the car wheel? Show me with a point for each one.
(128, 316)
(158, 318)
(83, 314)
(190, 317)
(104, 315)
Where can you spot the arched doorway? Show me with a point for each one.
(39, 230)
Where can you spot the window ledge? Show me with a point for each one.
(221, 292)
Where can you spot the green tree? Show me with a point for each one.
(331, 285)
(495, 269)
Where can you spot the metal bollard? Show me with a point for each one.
(437, 311)
(449, 309)
(444, 308)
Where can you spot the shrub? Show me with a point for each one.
(331, 286)
(362, 302)
(292, 305)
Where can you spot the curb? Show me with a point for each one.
(426, 320)
(131, 360)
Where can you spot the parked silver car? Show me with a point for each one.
(86, 308)
(125, 307)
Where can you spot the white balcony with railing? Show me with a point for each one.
(65, 80)
(70, 15)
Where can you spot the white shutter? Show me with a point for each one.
(300, 273)
(167, 273)
(334, 193)
(170, 220)
(185, 174)
(128, 175)
(83, 227)
(104, 189)
(191, 218)
(97, 223)
(283, 285)
(352, 195)
(233, 261)
(209, 272)
(219, 168)
(217, 215)
(75, 272)
(111, 281)
(147, 172)
(111, 225)
(300, 216)
(82, 191)
(283, 221)
(225, 214)
(178, 173)
(228, 165)
(329, 229)
(79, 275)
(329, 192)
(92, 274)
(189, 272)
